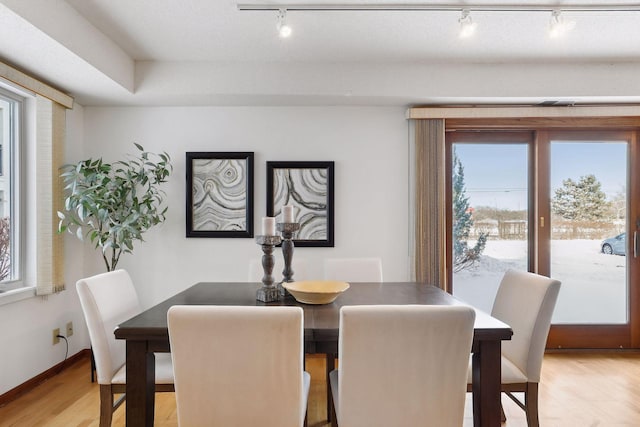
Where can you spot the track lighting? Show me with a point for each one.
(467, 26)
(284, 30)
(558, 26)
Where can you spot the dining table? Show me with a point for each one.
(147, 333)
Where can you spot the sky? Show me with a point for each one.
(496, 174)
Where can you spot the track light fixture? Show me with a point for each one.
(467, 26)
(284, 30)
(442, 7)
(558, 26)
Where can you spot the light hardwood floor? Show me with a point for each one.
(577, 390)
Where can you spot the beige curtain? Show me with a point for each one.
(51, 105)
(50, 134)
(430, 213)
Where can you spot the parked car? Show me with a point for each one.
(615, 245)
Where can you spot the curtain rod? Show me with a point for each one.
(389, 7)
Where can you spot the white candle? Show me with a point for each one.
(268, 226)
(287, 213)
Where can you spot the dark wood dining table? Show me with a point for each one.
(147, 333)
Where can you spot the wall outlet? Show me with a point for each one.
(69, 329)
(56, 332)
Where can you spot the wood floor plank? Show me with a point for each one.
(577, 390)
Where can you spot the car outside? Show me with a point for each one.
(615, 245)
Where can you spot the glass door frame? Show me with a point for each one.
(539, 140)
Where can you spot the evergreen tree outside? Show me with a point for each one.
(463, 255)
(583, 200)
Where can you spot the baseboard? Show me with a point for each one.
(29, 385)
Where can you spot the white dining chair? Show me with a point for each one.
(402, 365)
(353, 269)
(525, 301)
(107, 300)
(349, 270)
(238, 365)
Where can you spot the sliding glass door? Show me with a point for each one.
(588, 245)
(490, 213)
(554, 202)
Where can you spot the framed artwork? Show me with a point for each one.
(309, 188)
(219, 194)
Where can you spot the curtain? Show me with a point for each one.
(430, 210)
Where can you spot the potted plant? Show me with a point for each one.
(114, 204)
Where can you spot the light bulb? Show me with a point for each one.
(284, 30)
(558, 26)
(467, 26)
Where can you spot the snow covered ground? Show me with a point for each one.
(593, 286)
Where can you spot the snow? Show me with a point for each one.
(593, 290)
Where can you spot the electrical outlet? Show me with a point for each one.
(69, 329)
(56, 332)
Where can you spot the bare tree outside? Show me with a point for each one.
(5, 248)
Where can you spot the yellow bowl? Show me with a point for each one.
(316, 291)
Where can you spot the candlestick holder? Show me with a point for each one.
(268, 292)
(287, 229)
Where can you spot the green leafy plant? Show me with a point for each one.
(463, 255)
(114, 204)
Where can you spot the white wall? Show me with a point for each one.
(369, 146)
(27, 348)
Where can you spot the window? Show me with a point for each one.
(10, 235)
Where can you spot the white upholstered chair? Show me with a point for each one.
(525, 301)
(298, 265)
(349, 270)
(353, 269)
(107, 300)
(402, 366)
(238, 366)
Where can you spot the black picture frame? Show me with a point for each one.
(309, 187)
(219, 194)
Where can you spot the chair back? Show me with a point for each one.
(525, 301)
(353, 269)
(403, 365)
(107, 300)
(238, 366)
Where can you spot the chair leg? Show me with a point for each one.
(503, 417)
(531, 403)
(93, 366)
(106, 405)
(334, 418)
(330, 366)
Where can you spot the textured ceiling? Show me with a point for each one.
(209, 52)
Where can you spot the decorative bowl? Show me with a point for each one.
(316, 291)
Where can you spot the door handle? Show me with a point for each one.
(635, 244)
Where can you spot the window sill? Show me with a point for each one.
(17, 295)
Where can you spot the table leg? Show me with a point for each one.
(486, 384)
(141, 367)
